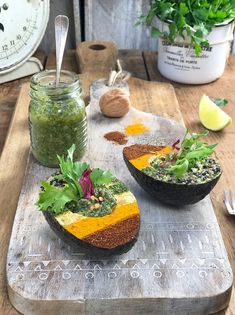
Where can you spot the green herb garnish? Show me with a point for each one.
(54, 198)
(72, 171)
(220, 101)
(191, 151)
(79, 181)
(193, 18)
(100, 177)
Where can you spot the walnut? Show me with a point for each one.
(114, 103)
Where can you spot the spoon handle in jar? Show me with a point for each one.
(61, 31)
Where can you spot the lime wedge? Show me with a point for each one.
(211, 116)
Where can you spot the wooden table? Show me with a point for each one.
(142, 65)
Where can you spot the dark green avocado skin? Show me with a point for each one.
(83, 246)
(169, 193)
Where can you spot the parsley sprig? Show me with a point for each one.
(77, 179)
(194, 18)
(192, 150)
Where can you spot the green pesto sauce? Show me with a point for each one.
(87, 208)
(107, 203)
(117, 187)
(54, 126)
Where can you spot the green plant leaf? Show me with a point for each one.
(191, 151)
(164, 8)
(71, 171)
(183, 8)
(220, 101)
(173, 31)
(200, 14)
(54, 198)
(155, 32)
(194, 17)
(100, 177)
(71, 152)
(199, 153)
(179, 168)
(141, 19)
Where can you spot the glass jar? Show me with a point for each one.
(57, 117)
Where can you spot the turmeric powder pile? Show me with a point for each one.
(136, 129)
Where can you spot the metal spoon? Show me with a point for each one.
(61, 31)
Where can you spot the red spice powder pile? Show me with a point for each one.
(116, 136)
(136, 150)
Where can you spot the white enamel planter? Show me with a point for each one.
(179, 63)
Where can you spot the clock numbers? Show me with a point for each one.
(12, 42)
(4, 47)
(5, 6)
(18, 37)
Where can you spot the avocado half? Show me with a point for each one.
(168, 193)
(113, 233)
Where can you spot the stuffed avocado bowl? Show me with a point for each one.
(89, 208)
(178, 174)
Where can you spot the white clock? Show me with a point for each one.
(22, 26)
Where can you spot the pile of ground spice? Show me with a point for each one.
(136, 129)
(116, 136)
(137, 150)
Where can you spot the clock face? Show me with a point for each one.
(22, 26)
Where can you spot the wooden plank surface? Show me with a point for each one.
(226, 222)
(12, 168)
(175, 246)
(13, 122)
(9, 93)
(160, 98)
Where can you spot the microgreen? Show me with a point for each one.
(191, 151)
(79, 181)
(194, 18)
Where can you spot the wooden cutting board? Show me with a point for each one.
(178, 265)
